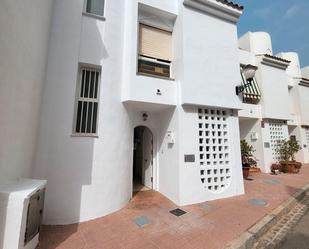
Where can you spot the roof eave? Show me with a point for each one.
(222, 9)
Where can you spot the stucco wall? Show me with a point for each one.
(210, 61)
(256, 42)
(303, 93)
(246, 57)
(138, 87)
(247, 128)
(192, 190)
(274, 90)
(23, 50)
(78, 169)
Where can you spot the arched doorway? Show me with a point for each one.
(142, 159)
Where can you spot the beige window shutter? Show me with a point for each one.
(155, 43)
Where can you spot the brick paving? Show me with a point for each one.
(146, 223)
(276, 235)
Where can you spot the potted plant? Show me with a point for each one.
(287, 150)
(246, 157)
(276, 168)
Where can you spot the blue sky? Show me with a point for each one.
(287, 21)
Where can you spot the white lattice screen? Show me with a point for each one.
(276, 128)
(214, 156)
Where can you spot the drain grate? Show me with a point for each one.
(178, 212)
(258, 202)
(141, 221)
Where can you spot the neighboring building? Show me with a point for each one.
(25, 31)
(274, 105)
(109, 97)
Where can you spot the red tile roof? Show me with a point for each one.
(231, 4)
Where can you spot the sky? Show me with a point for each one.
(287, 21)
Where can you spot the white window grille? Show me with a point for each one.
(277, 134)
(87, 102)
(214, 149)
(95, 7)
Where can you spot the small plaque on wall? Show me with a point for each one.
(267, 145)
(189, 158)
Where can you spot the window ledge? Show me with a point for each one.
(102, 18)
(84, 135)
(155, 76)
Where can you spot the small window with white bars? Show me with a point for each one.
(87, 102)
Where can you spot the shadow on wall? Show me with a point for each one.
(68, 160)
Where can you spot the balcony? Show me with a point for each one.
(250, 111)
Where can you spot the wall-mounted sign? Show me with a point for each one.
(189, 158)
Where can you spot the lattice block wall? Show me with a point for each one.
(277, 134)
(214, 149)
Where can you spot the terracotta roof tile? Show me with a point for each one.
(231, 4)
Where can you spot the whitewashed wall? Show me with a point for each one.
(304, 139)
(273, 83)
(256, 42)
(23, 52)
(305, 72)
(78, 169)
(248, 126)
(192, 190)
(210, 61)
(303, 93)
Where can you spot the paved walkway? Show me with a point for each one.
(146, 222)
(299, 236)
(285, 231)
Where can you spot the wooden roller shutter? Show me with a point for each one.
(155, 43)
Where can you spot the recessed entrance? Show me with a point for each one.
(142, 159)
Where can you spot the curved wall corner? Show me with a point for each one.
(88, 177)
(261, 43)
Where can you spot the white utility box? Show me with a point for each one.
(21, 210)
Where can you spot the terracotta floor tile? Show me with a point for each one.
(210, 227)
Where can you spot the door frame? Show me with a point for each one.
(155, 160)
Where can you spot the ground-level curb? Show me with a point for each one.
(247, 239)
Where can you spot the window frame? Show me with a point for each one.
(86, 13)
(152, 59)
(78, 98)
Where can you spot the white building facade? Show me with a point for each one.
(275, 109)
(142, 93)
(89, 144)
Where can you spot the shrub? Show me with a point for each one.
(247, 154)
(287, 149)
